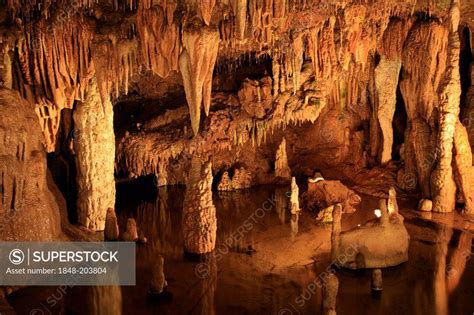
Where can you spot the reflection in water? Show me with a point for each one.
(96, 300)
(281, 200)
(294, 225)
(279, 273)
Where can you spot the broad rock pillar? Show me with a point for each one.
(199, 213)
(94, 145)
(443, 186)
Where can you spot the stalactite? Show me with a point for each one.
(95, 157)
(206, 8)
(196, 63)
(386, 81)
(240, 12)
(297, 61)
(442, 181)
(199, 212)
(159, 37)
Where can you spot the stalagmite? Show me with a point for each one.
(131, 231)
(95, 159)
(294, 198)
(330, 288)
(392, 204)
(225, 183)
(464, 170)
(199, 213)
(111, 232)
(282, 170)
(425, 205)
(196, 62)
(386, 81)
(442, 182)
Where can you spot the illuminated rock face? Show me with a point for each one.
(28, 208)
(199, 212)
(94, 145)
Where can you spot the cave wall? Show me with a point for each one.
(29, 210)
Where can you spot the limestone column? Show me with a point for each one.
(199, 212)
(386, 81)
(442, 181)
(95, 157)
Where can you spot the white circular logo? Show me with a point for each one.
(16, 256)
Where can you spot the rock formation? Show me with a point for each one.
(392, 204)
(386, 81)
(25, 194)
(241, 179)
(282, 170)
(131, 231)
(111, 231)
(442, 180)
(379, 243)
(95, 159)
(199, 213)
(196, 62)
(324, 193)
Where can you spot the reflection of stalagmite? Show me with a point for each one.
(442, 182)
(95, 158)
(196, 63)
(158, 281)
(207, 287)
(386, 81)
(281, 201)
(336, 232)
(282, 170)
(97, 300)
(458, 261)
(330, 288)
(439, 277)
(199, 213)
(294, 225)
(294, 199)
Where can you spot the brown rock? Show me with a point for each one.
(111, 232)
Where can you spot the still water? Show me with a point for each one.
(267, 262)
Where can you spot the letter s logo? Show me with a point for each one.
(16, 256)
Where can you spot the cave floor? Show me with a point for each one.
(266, 262)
